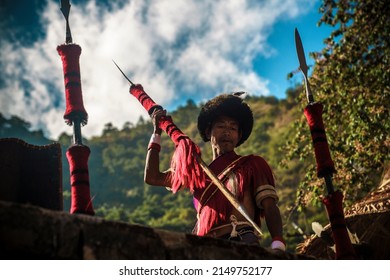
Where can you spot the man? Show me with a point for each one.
(226, 121)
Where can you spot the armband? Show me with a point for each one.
(278, 244)
(265, 191)
(154, 142)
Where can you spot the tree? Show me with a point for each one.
(351, 79)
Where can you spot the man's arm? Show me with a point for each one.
(266, 199)
(274, 223)
(152, 173)
(272, 217)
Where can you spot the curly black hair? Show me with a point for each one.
(229, 105)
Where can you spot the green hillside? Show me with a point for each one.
(351, 79)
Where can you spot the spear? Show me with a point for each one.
(325, 165)
(183, 143)
(130, 82)
(76, 115)
(313, 112)
(76, 120)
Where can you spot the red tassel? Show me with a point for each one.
(81, 202)
(70, 54)
(187, 170)
(325, 165)
(344, 249)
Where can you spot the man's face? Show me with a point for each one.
(225, 134)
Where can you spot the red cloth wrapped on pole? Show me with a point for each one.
(70, 54)
(325, 165)
(138, 92)
(81, 201)
(344, 248)
(187, 170)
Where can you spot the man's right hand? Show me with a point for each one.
(156, 117)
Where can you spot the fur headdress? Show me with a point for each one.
(229, 105)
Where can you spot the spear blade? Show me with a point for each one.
(65, 9)
(131, 83)
(303, 65)
(301, 53)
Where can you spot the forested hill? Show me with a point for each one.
(350, 78)
(117, 160)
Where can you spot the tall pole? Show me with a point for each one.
(325, 165)
(76, 116)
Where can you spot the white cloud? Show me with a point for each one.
(177, 49)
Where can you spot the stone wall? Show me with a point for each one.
(32, 232)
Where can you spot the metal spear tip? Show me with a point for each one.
(301, 53)
(131, 83)
(303, 65)
(65, 8)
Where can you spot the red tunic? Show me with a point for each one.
(250, 171)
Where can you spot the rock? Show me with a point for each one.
(33, 232)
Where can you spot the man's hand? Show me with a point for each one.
(156, 117)
(278, 244)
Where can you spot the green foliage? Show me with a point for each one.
(18, 128)
(350, 78)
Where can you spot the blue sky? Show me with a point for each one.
(285, 60)
(178, 50)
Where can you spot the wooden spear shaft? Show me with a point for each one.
(228, 194)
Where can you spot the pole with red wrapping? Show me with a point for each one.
(76, 115)
(325, 166)
(187, 171)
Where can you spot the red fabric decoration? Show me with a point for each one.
(166, 124)
(79, 179)
(154, 146)
(325, 165)
(250, 171)
(333, 203)
(70, 54)
(186, 169)
(138, 92)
